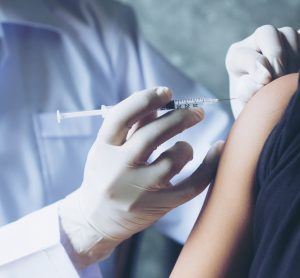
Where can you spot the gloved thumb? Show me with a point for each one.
(198, 181)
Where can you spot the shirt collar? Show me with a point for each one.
(34, 13)
(31, 13)
(25, 12)
(41, 14)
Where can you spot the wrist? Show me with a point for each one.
(87, 245)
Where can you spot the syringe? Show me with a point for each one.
(174, 104)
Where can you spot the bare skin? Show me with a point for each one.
(219, 243)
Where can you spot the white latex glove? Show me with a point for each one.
(260, 58)
(121, 194)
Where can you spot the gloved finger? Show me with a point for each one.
(237, 107)
(145, 120)
(145, 140)
(241, 90)
(122, 116)
(192, 186)
(267, 40)
(290, 39)
(244, 60)
(169, 163)
(246, 87)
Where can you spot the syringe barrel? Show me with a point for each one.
(188, 103)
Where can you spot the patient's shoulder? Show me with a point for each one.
(274, 97)
(287, 82)
(255, 123)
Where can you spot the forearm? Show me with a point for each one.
(217, 237)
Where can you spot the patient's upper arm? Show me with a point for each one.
(223, 224)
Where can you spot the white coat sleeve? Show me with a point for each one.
(32, 247)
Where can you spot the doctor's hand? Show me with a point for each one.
(257, 60)
(121, 193)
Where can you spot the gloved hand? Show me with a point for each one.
(257, 60)
(121, 193)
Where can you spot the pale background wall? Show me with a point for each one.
(194, 35)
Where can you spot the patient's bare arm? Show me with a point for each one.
(217, 246)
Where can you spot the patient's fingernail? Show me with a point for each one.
(164, 93)
(262, 75)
